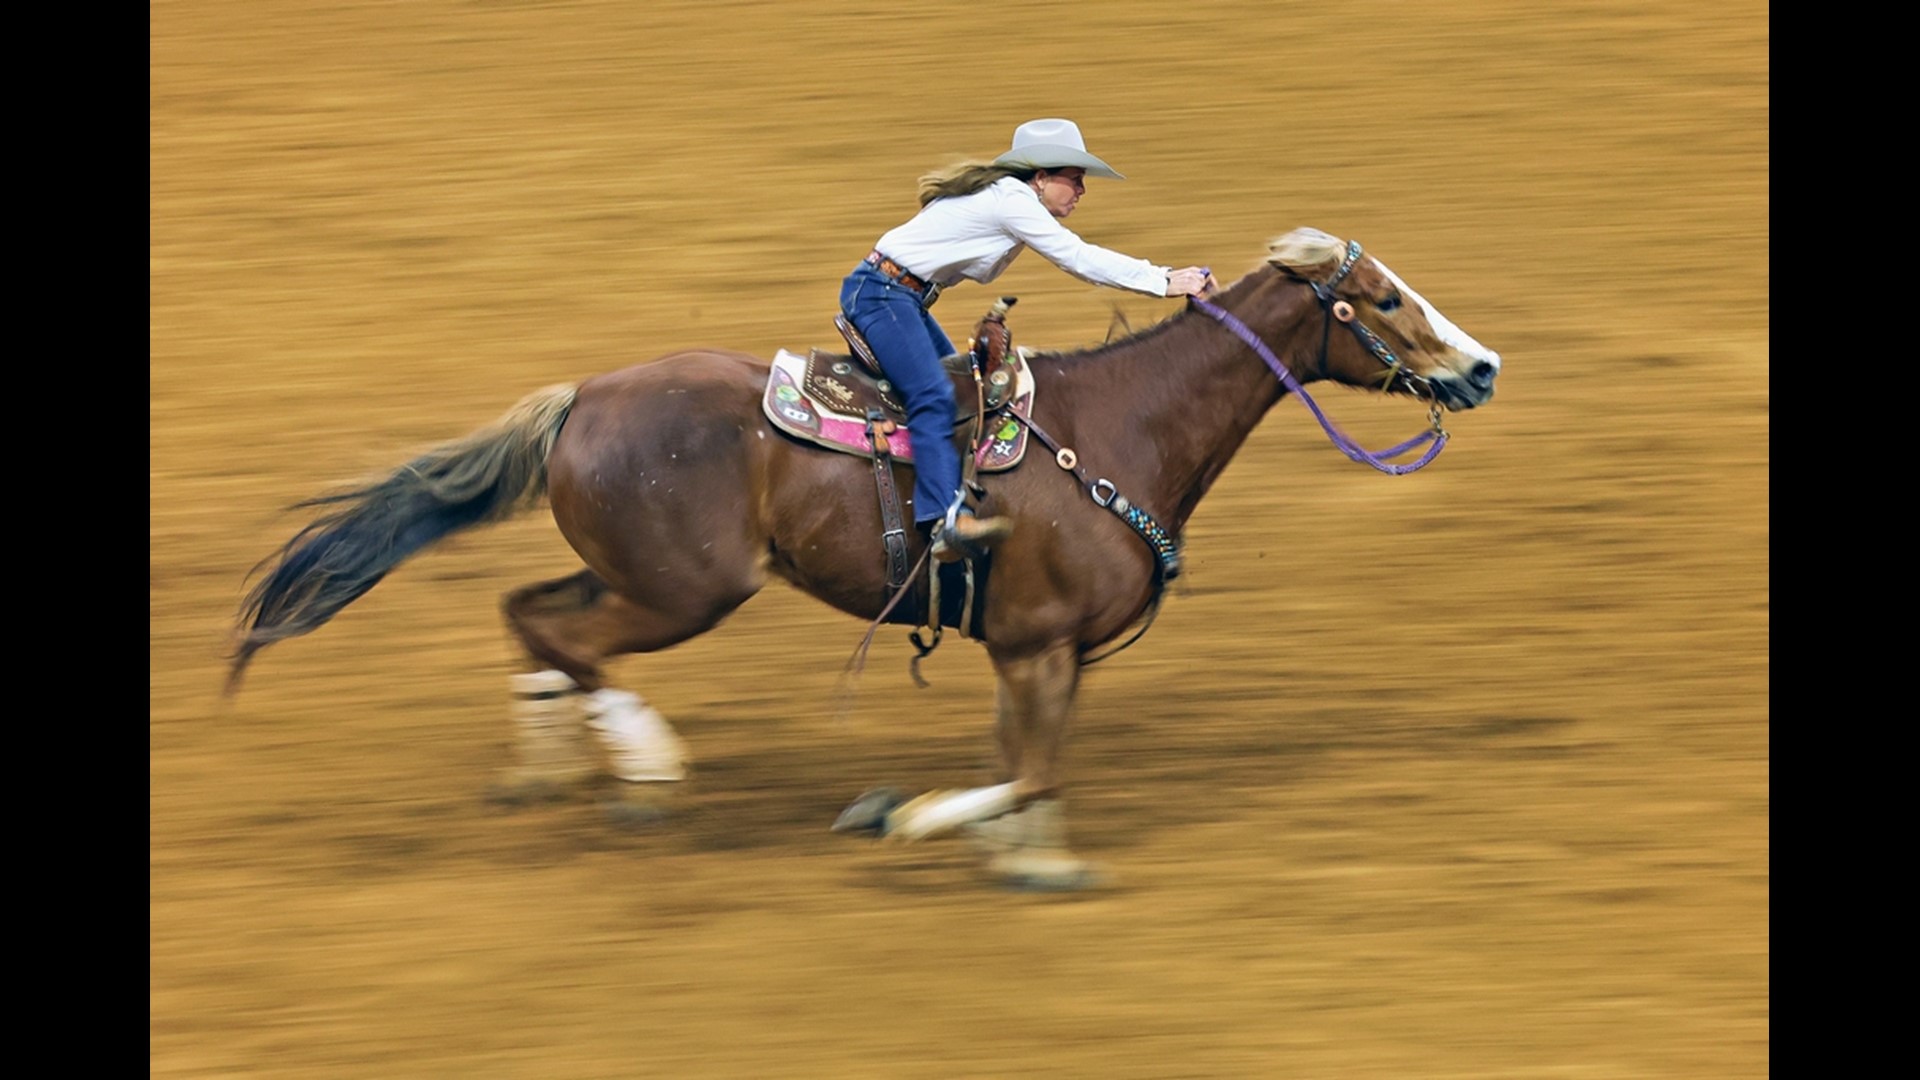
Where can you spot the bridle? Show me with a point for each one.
(1338, 310)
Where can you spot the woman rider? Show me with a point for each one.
(975, 217)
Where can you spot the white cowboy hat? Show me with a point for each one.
(1053, 144)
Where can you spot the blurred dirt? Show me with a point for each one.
(1459, 774)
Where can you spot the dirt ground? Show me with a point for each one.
(1457, 774)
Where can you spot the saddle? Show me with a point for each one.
(831, 398)
(844, 402)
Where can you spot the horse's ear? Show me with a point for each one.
(1119, 323)
(1305, 249)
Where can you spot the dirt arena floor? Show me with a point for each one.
(1459, 774)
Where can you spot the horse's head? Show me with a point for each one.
(1398, 342)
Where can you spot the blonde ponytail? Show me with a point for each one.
(966, 178)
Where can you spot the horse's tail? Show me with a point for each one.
(486, 477)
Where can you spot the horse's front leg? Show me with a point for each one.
(1021, 821)
(1035, 707)
(1028, 847)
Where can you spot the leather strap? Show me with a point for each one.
(893, 529)
(1166, 547)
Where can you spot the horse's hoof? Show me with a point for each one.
(1046, 871)
(868, 813)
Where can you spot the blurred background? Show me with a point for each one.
(1457, 774)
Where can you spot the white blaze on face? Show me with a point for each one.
(1443, 328)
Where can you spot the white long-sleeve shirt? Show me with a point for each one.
(974, 237)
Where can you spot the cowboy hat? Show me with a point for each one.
(1053, 144)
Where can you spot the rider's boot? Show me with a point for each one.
(964, 535)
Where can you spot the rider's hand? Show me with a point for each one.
(1191, 281)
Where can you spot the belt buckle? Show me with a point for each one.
(932, 294)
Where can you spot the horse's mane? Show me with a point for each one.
(1305, 249)
(1082, 354)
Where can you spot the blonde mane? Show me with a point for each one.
(1305, 249)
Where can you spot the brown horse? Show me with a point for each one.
(682, 499)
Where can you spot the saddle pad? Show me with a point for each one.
(1002, 444)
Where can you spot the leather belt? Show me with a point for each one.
(903, 276)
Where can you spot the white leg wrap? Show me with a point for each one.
(1028, 849)
(1041, 823)
(548, 736)
(543, 684)
(942, 811)
(641, 745)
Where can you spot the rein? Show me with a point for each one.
(1341, 311)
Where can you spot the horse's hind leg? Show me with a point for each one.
(568, 628)
(566, 625)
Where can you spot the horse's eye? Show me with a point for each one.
(1391, 303)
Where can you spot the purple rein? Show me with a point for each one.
(1436, 434)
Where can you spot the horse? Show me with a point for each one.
(683, 500)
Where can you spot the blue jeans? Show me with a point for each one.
(910, 345)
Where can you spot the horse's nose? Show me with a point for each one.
(1481, 376)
